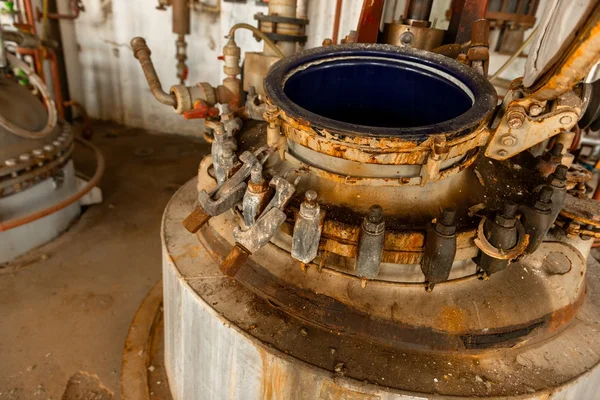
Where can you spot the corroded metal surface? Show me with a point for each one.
(574, 65)
(400, 312)
(215, 327)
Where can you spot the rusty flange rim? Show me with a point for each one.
(483, 92)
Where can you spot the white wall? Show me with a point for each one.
(108, 81)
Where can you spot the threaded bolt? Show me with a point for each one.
(310, 196)
(557, 149)
(448, 217)
(510, 210)
(375, 214)
(256, 176)
(535, 109)
(546, 193)
(515, 119)
(561, 172)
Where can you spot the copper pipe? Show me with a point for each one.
(56, 82)
(100, 165)
(37, 57)
(29, 15)
(596, 195)
(336, 21)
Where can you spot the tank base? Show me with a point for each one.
(224, 342)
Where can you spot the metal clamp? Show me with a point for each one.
(486, 247)
(268, 224)
(307, 229)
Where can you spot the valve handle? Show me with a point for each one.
(200, 111)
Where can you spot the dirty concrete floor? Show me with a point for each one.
(66, 307)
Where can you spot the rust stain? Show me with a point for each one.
(453, 319)
(561, 317)
(385, 150)
(331, 391)
(578, 60)
(190, 251)
(274, 378)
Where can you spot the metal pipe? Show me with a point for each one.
(336, 22)
(142, 53)
(283, 8)
(258, 33)
(16, 222)
(419, 9)
(181, 17)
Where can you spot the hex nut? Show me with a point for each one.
(536, 110)
(515, 119)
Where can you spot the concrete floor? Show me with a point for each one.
(65, 308)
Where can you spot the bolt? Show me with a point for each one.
(11, 162)
(509, 140)
(561, 172)
(407, 38)
(546, 194)
(448, 216)
(48, 147)
(446, 224)
(24, 157)
(38, 153)
(56, 143)
(375, 214)
(327, 42)
(557, 149)
(566, 120)
(502, 153)
(310, 196)
(510, 209)
(304, 332)
(535, 109)
(256, 176)
(515, 119)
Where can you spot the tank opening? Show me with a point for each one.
(384, 93)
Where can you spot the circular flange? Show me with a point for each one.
(384, 92)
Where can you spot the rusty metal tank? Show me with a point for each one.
(36, 170)
(359, 245)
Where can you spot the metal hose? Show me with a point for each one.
(48, 100)
(100, 165)
(258, 33)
